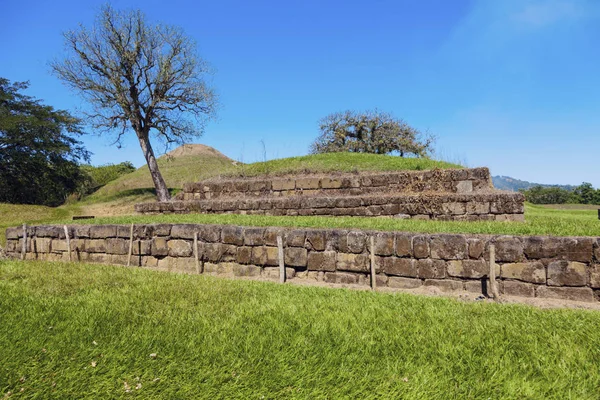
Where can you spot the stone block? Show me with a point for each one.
(209, 233)
(95, 245)
(43, 231)
(254, 236)
(119, 259)
(244, 255)
(356, 242)
(295, 256)
(180, 248)
(271, 235)
(13, 233)
(595, 276)
(480, 286)
(265, 255)
(384, 244)
(448, 247)
(315, 240)
(473, 269)
(464, 186)
(232, 235)
(420, 246)
(572, 249)
(273, 273)
(403, 245)
(346, 278)
(476, 248)
(567, 273)
(533, 272)
(400, 266)
(307, 183)
(403, 283)
(295, 238)
(117, 246)
(162, 229)
(352, 262)
(566, 293)
(331, 183)
(516, 288)
(445, 285)
(431, 269)
(225, 268)
(103, 231)
(246, 270)
(81, 231)
(183, 231)
(43, 245)
(148, 262)
(321, 261)
(477, 207)
(159, 247)
(283, 184)
(508, 249)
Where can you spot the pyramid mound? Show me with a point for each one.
(199, 150)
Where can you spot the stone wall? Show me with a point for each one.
(468, 207)
(338, 184)
(530, 266)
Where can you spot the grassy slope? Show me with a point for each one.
(216, 338)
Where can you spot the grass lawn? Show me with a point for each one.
(539, 221)
(83, 331)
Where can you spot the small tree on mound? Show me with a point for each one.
(139, 76)
(370, 132)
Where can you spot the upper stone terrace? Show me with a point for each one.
(446, 194)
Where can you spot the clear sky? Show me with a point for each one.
(509, 84)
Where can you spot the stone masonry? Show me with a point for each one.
(528, 266)
(451, 194)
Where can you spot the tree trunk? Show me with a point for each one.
(162, 192)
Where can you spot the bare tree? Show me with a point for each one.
(141, 76)
(370, 132)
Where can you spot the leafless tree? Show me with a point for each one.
(140, 76)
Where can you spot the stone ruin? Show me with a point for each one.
(441, 194)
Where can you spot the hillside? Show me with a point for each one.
(508, 183)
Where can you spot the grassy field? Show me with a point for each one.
(83, 331)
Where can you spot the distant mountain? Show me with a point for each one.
(508, 183)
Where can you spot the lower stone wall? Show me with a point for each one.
(499, 206)
(530, 266)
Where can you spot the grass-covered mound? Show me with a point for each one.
(339, 162)
(82, 331)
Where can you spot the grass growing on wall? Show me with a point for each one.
(83, 331)
(539, 221)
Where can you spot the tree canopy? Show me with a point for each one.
(139, 76)
(582, 194)
(370, 132)
(39, 154)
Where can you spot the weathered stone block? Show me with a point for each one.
(566, 293)
(508, 249)
(356, 242)
(445, 285)
(515, 288)
(254, 236)
(295, 238)
(476, 248)
(400, 266)
(595, 276)
(43, 245)
(148, 262)
(352, 262)
(81, 231)
(42, 231)
(403, 283)
(209, 233)
(265, 256)
(159, 247)
(342, 278)
(315, 240)
(185, 231)
(284, 184)
(95, 246)
(273, 273)
(403, 246)
(295, 256)
(565, 273)
(103, 231)
(478, 286)
(180, 248)
(533, 272)
(321, 261)
(331, 183)
(469, 268)
(431, 269)
(307, 183)
(117, 246)
(384, 244)
(162, 229)
(420, 246)
(246, 270)
(448, 247)
(244, 255)
(232, 235)
(573, 249)
(271, 235)
(225, 268)
(13, 233)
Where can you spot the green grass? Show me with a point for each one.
(539, 221)
(338, 162)
(216, 338)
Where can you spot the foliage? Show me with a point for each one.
(140, 76)
(88, 331)
(370, 132)
(582, 194)
(38, 152)
(97, 177)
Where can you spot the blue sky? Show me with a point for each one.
(508, 84)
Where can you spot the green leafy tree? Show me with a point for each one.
(96, 177)
(370, 132)
(39, 154)
(139, 76)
